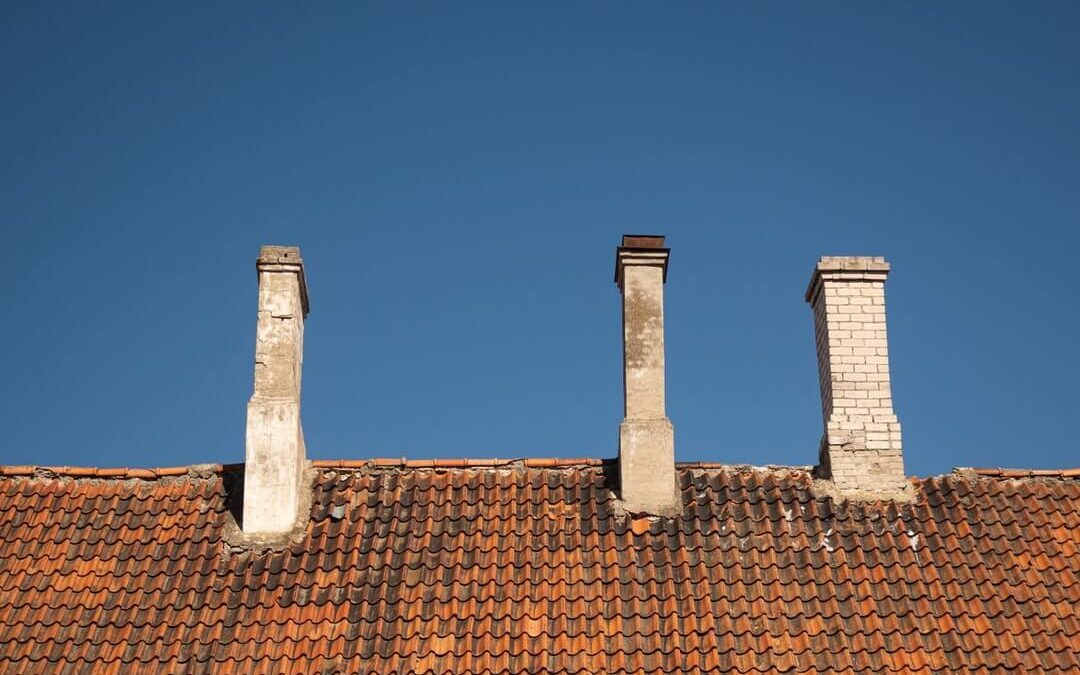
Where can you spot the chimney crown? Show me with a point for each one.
(642, 241)
(846, 268)
(285, 259)
(641, 249)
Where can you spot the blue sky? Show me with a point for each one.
(458, 175)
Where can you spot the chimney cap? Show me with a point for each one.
(642, 241)
(847, 268)
(852, 263)
(285, 259)
(647, 249)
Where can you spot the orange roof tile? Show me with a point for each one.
(527, 566)
(1026, 473)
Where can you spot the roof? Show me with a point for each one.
(529, 567)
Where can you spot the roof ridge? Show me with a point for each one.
(152, 473)
(529, 462)
(374, 462)
(465, 463)
(149, 473)
(1000, 472)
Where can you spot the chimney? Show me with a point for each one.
(646, 436)
(860, 449)
(275, 460)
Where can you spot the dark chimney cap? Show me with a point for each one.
(645, 248)
(642, 241)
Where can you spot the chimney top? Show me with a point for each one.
(852, 263)
(641, 249)
(847, 268)
(642, 241)
(284, 259)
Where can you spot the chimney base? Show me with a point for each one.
(647, 482)
(854, 472)
(273, 472)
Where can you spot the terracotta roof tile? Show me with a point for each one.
(1025, 473)
(527, 566)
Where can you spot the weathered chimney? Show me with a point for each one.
(275, 458)
(860, 449)
(646, 436)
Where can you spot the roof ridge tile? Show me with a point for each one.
(1002, 472)
(454, 463)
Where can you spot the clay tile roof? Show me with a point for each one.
(527, 566)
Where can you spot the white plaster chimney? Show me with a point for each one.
(646, 436)
(860, 450)
(275, 457)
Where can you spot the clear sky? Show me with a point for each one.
(458, 176)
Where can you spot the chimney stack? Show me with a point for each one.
(646, 436)
(860, 449)
(275, 457)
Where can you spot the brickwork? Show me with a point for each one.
(861, 450)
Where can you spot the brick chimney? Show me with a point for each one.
(860, 449)
(646, 436)
(275, 458)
